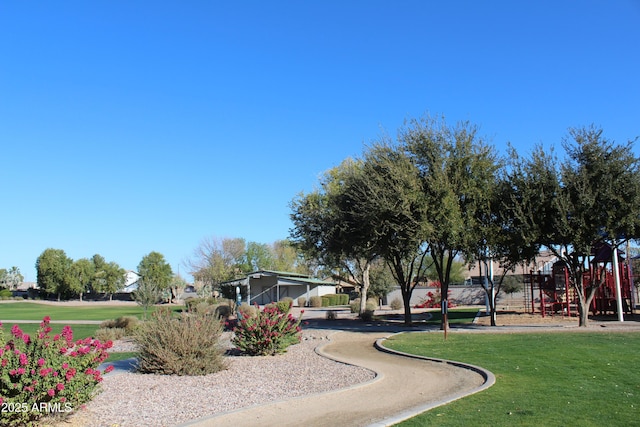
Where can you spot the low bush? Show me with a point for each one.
(222, 311)
(355, 306)
(269, 332)
(326, 301)
(186, 344)
(115, 329)
(192, 302)
(128, 323)
(110, 334)
(315, 301)
(302, 301)
(285, 304)
(371, 305)
(396, 304)
(247, 310)
(5, 294)
(366, 316)
(47, 375)
(332, 315)
(343, 299)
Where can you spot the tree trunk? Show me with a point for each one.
(406, 298)
(492, 305)
(583, 313)
(81, 296)
(365, 288)
(444, 304)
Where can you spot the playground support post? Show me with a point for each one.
(445, 318)
(616, 278)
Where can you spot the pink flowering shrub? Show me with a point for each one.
(46, 374)
(434, 299)
(269, 332)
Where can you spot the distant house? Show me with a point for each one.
(131, 282)
(265, 286)
(543, 264)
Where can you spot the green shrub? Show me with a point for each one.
(129, 323)
(222, 311)
(202, 307)
(115, 329)
(337, 299)
(269, 332)
(326, 302)
(332, 299)
(367, 315)
(302, 301)
(5, 294)
(396, 304)
(54, 372)
(285, 304)
(371, 305)
(331, 315)
(190, 303)
(110, 334)
(315, 301)
(187, 344)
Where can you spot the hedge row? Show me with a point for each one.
(335, 299)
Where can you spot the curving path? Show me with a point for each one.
(403, 388)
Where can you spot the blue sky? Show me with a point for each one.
(135, 126)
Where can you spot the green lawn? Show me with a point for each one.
(36, 311)
(552, 379)
(114, 357)
(455, 315)
(79, 331)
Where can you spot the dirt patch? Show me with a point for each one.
(517, 318)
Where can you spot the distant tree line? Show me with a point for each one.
(59, 275)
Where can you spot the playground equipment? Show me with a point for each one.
(550, 292)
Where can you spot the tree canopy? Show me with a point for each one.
(156, 271)
(592, 196)
(53, 269)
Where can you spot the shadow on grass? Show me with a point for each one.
(393, 322)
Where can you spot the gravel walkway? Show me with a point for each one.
(130, 399)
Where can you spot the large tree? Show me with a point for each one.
(367, 210)
(81, 274)
(500, 238)
(328, 227)
(591, 197)
(287, 258)
(53, 269)
(14, 278)
(258, 256)
(155, 271)
(217, 260)
(108, 277)
(387, 202)
(457, 168)
(115, 278)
